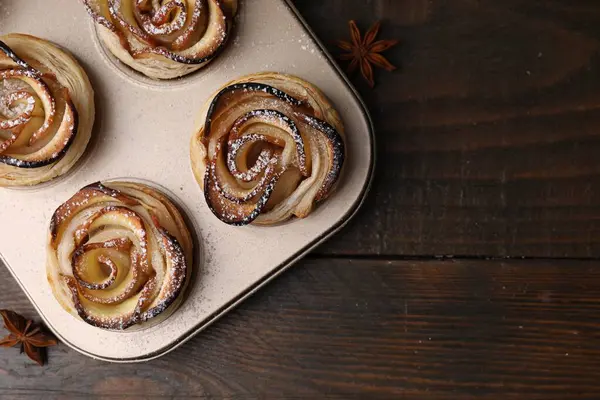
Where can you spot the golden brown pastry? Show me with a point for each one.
(46, 110)
(163, 39)
(267, 147)
(119, 254)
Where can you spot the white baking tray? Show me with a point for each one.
(142, 131)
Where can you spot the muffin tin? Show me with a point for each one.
(142, 132)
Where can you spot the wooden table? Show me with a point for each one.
(471, 272)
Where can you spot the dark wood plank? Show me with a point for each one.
(369, 329)
(489, 133)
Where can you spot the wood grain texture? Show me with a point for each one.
(489, 132)
(488, 142)
(365, 329)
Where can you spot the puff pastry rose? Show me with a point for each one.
(46, 110)
(163, 39)
(119, 254)
(266, 148)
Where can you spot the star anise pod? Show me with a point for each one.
(366, 51)
(24, 332)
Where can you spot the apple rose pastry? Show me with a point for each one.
(163, 39)
(46, 110)
(119, 254)
(266, 148)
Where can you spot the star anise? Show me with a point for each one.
(24, 332)
(366, 51)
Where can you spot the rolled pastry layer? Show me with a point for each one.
(163, 39)
(267, 147)
(46, 110)
(119, 254)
